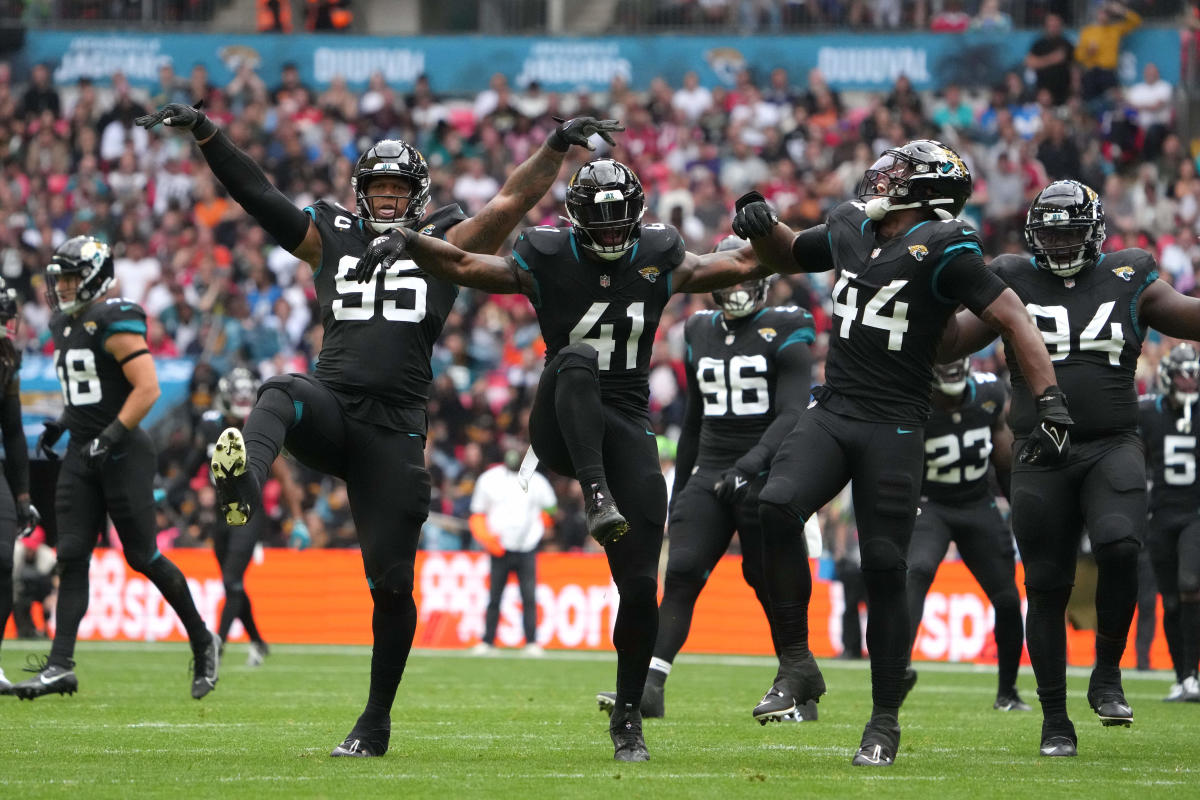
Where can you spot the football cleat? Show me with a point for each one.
(625, 730)
(1107, 699)
(236, 494)
(1175, 695)
(5, 684)
(880, 742)
(364, 743)
(604, 522)
(1058, 739)
(1191, 689)
(776, 704)
(805, 712)
(53, 679)
(1010, 701)
(206, 664)
(257, 654)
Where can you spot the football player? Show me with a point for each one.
(234, 545)
(18, 516)
(361, 415)
(109, 384)
(599, 286)
(748, 375)
(1173, 534)
(967, 429)
(1093, 309)
(904, 263)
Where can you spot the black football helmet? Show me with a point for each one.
(605, 203)
(90, 259)
(922, 173)
(398, 159)
(951, 379)
(8, 304)
(236, 393)
(1179, 381)
(742, 299)
(1065, 228)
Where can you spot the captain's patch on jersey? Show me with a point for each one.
(649, 273)
(1124, 273)
(918, 251)
(767, 333)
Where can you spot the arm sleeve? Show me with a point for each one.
(16, 450)
(248, 185)
(813, 250)
(962, 277)
(689, 437)
(791, 394)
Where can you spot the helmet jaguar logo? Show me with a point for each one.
(649, 273)
(918, 251)
(768, 334)
(1124, 273)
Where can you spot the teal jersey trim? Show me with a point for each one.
(312, 214)
(298, 407)
(537, 287)
(805, 335)
(574, 248)
(946, 256)
(919, 224)
(1133, 305)
(125, 326)
(862, 229)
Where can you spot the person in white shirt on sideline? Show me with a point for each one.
(510, 522)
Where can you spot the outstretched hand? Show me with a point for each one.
(754, 218)
(180, 115)
(579, 130)
(383, 251)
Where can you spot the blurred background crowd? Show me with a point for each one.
(218, 290)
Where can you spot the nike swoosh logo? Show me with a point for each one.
(53, 680)
(116, 456)
(739, 483)
(126, 307)
(901, 430)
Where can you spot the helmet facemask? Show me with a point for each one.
(951, 379)
(605, 203)
(897, 181)
(1061, 244)
(86, 257)
(743, 299)
(396, 159)
(1179, 380)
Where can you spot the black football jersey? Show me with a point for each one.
(1170, 457)
(614, 306)
(1090, 326)
(891, 303)
(735, 367)
(94, 386)
(379, 335)
(958, 442)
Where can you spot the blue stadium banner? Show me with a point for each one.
(41, 395)
(462, 64)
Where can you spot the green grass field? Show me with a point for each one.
(509, 726)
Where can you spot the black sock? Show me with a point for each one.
(581, 420)
(1189, 635)
(247, 617)
(273, 415)
(888, 637)
(6, 593)
(234, 599)
(1010, 637)
(675, 616)
(170, 582)
(1046, 636)
(789, 586)
(634, 634)
(1116, 602)
(72, 605)
(393, 630)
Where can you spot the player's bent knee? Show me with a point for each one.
(687, 580)
(579, 356)
(234, 587)
(775, 514)
(393, 593)
(638, 589)
(1007, 599)
(1121, 552)
(1189, 585)
(880, 554)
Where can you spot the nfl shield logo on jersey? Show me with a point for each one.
(1124, 273)
(605, 281)
(875, 253)
(918, 251)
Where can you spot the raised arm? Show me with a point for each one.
(245, 180)
(486, 231)
(1167, 311)
(703, 273)
(776, 245)
(443, 260)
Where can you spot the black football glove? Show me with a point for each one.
(383, 251)
(578, 130)
(28, 517)
(178, 115)
(1050, 441)
(52, 431)
(732, 486)
(754, 217)
(97, 450)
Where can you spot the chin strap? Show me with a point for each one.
(879, 207)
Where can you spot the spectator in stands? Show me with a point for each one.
(692, 100)
(1151, 98)
(991, 18)
(1050, 57)
(1099, 48)
(951, 19)
(40, 95)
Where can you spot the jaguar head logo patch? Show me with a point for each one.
(1124, 273)
(90, 327)
(650, 273)
(768, 334)
(918, 251)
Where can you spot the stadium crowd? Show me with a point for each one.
(217, 290)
